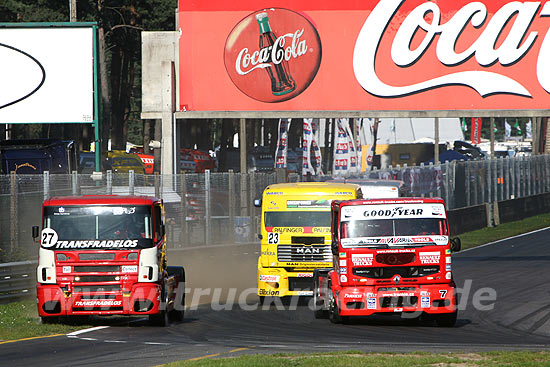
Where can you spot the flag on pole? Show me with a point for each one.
(475, 135)
(282, 143)
(464, 125)
(517, 127)
(507, 129)
(528, 130)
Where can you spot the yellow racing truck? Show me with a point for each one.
(295, 235)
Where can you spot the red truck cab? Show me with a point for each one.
(390, 256)
(106, 255)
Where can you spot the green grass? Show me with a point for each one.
(490, 234)
(20, 320)
(353, 359)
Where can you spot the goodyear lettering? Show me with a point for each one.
(390, 213)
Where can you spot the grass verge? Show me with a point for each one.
(353, 358)
(20, 320)
(490, 234)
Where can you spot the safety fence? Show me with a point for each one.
(217, 208)
(17, 280)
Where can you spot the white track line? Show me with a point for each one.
(74, 334)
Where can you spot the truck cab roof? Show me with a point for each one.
(101, 200)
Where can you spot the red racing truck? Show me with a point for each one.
(390, 256)
(106, 255)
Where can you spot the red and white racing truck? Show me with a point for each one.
(390, 256)
(106, 255)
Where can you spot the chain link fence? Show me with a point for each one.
(218, 208)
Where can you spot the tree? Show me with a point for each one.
(120, 23)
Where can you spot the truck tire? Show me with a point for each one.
(161, 318)
(178, 314)
(446, 319)
(334, 311)
(318, 304)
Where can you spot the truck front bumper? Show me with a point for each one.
(368, 300)
(278, 282)
(143, 299)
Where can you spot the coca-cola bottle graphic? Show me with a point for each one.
(281, 79)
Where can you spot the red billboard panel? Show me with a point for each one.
(387, 55)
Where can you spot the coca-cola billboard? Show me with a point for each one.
(386, 55)
(272, 55)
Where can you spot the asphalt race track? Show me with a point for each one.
(514, 271)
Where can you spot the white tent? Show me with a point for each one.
(415, 130)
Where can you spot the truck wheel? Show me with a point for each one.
(446, 319)
(161, 318)
(333, 311)
(178, 314)
(262, 300)
(318, 304)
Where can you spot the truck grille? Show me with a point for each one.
(96, 256)
(97, 278)
(97, 288)
(301, 253)
(97, 269)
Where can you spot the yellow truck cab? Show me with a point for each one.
(295, 235)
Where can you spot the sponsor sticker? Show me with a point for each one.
(342, 254)
(448, 276)
(429, 257)
(343, 278)
(66, 269)
(399, 309)
(343, 270)
(269, 278)
(371, 303)
(343, 262)
(448, 267)
(424, 293)
(269, 292)
(98, 302)
(305, 293)
(129, 268)
(352, 296)
(448, 259)
(304, 275)
(361, 259)
(447, 252)
(425, 302)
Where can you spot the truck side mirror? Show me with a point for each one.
(258, 203)
(35, 232)
(334, 247)
(455, 244)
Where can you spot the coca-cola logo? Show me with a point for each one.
(273, 55)
(504, 38)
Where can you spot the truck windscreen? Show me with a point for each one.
(418, 230)
(99, 223)
(297, 219)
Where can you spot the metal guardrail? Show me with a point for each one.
(17, 280)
